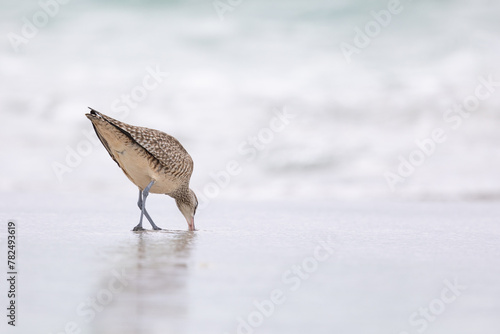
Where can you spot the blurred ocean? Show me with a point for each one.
(349, 124)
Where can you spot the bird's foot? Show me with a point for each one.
(156, 228)
(138, 228)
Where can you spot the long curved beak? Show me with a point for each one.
(191, 224)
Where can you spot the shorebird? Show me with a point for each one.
(153, 160)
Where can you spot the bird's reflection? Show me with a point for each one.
(154, 299)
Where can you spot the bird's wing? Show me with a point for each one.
(166, 149)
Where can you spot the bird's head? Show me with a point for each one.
(187, 204)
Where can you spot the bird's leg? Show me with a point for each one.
(145, 194)
(139, 204)
(139, 201)
(142, 205)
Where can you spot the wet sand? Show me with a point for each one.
(254, 267)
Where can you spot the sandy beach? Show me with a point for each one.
(255, 267)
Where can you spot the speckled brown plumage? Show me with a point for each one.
(167, 154)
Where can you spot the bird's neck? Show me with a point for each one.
(181, 194)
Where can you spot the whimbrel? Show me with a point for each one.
(153, 160)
